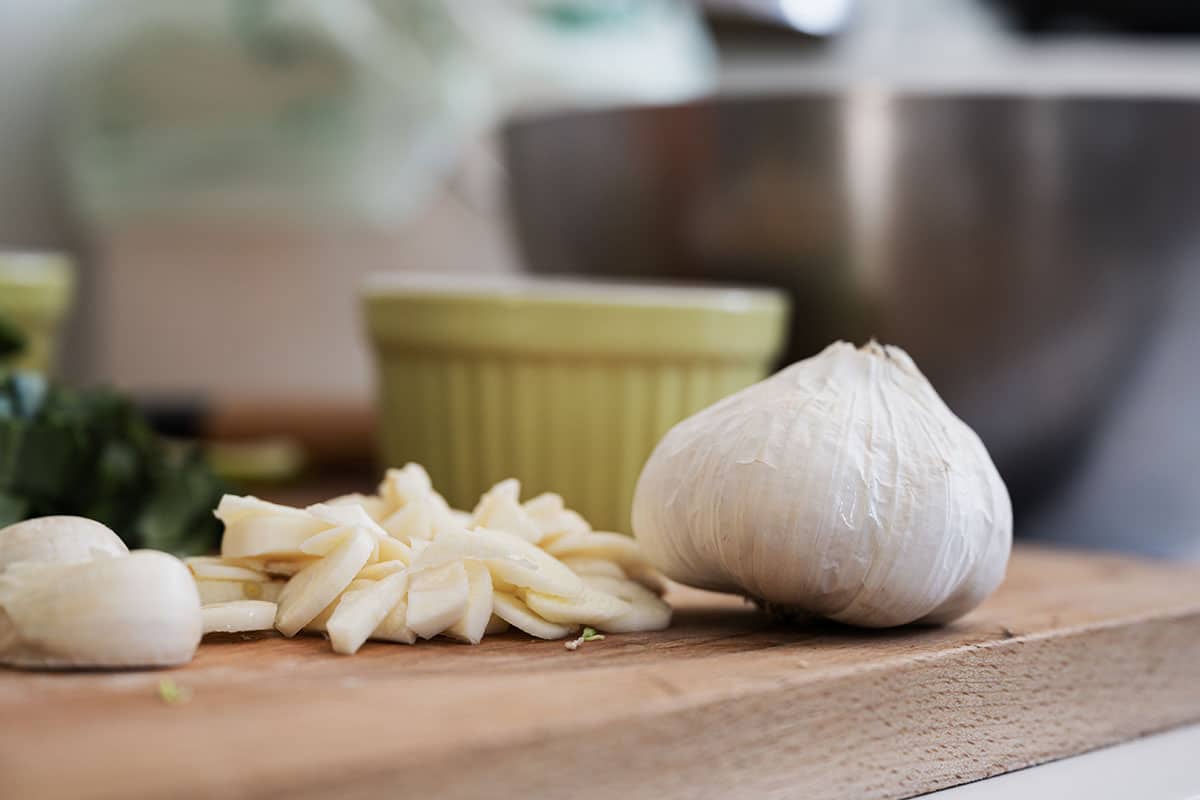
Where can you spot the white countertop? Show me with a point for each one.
(1165, 766)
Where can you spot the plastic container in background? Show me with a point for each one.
(35, 293)
(565, 385)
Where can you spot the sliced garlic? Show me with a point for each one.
(234, 508)
(474, 622)
(382, 569)
(598, 544)
(57, 540)
(361, 611)
(509, 558)
(238, 616)
(284, 568)
(375, 507)
(592, 607)
(414, 522)
(392, 549)
(394, 627)
(403, 564)
(584, 566)
(347, 516)
(552, 516)
(647, 576)
(315, 587)
(500, 509)
(269, 536)
(208, 568)
(647, 612)
(351, 518)
(544, 507)
(401, 487)
(212, 591)
(320, 622)
(414, 511)
(437, 598)
(513, 611)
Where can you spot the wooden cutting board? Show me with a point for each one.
(1074, 652)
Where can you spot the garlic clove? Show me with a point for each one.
(238, 616)
(437, 598)
(592, 607)
(361, 611)
(57, 540)
(513, 611)
(139, 610)
(475, 620)
(975, 587)
(647, 612)
(316, 586)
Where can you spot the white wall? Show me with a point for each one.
(31, 208)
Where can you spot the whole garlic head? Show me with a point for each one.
(842, 486)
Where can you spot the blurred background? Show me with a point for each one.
(1006, 188)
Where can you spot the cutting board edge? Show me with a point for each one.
(587, 761)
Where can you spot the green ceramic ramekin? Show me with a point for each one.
(565, 385)
(35, 292)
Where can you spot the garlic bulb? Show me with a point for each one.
(842, 486)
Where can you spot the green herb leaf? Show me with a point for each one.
(12, 340)
(590, 635)
(91, 453)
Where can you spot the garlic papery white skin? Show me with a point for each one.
(842, 486)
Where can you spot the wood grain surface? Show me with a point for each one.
(1074, 652)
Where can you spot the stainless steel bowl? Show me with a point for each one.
(1018, 247)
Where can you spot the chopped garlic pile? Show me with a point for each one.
(401, 565)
